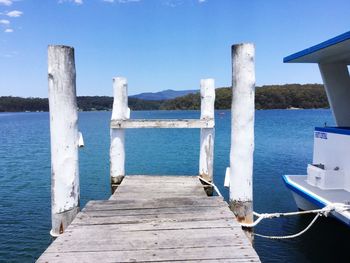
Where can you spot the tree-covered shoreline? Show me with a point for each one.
(307, 96)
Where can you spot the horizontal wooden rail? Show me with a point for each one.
(141, 123)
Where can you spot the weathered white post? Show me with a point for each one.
(242, 132)
(64, 138)
(117, 151)
(206, 156)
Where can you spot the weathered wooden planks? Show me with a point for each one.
(145, 221)
(148, 187)
(195, 254)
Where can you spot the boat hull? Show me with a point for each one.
(308, 197)
(302, 203)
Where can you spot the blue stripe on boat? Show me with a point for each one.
(318, 47)
(338, 130)
(302, 193)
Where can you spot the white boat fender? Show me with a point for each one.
(227, 177)
(128, 113)
(81, 140)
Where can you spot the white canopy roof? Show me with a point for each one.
(334, 50)
(333, 58)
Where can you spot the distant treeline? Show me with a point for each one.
(90, 103)
(308, 96)
(85, 103)
(13, 104)
(266, 97)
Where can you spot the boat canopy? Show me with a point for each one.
(336, 49)
(333, 58)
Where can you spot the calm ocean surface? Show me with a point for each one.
(283, 145)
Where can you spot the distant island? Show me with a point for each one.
(289, 96)
(163, 95)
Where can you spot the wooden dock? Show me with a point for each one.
(154, 219)
(151, 218)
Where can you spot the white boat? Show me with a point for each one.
(327, 180)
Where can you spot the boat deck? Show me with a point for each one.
(317, 196)
(154, 219)
(329, 196)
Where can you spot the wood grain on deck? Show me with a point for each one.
(154, 219)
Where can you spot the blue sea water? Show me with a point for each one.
(283, 145)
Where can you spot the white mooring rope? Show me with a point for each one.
(334, 207)
(291, 236)
(213, 185)
(325, 211)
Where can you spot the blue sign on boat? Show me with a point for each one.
(321, 135)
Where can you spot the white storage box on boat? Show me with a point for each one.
(325, 178)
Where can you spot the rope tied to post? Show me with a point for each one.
(212, 184)
(325, 211)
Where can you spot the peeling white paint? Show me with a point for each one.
(120, 112)
(162, 124)
(64, 136)
(206, 156)
(242, 132)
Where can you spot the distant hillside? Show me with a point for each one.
(163, 95)
(307, 96)
(91, 103)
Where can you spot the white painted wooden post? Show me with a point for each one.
(242, 132)
(65, 192)
(206, 156)
(117, 151)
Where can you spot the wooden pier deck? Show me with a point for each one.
(154, 219)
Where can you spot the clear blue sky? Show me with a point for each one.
(160, 44)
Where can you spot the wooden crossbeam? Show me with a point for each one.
(142, 123)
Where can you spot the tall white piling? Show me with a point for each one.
(117, 150)
(65, 192)
(206, 156)
(242, 132)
